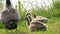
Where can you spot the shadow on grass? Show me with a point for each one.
(1, 26)
(23, 33)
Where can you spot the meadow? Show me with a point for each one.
(53, 14)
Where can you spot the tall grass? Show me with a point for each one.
(54, 11)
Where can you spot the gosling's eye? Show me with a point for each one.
(41, 24)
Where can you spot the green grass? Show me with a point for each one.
(53, 24)
(53, 28)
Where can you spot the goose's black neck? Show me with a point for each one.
(30, 18)
(8, 2)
